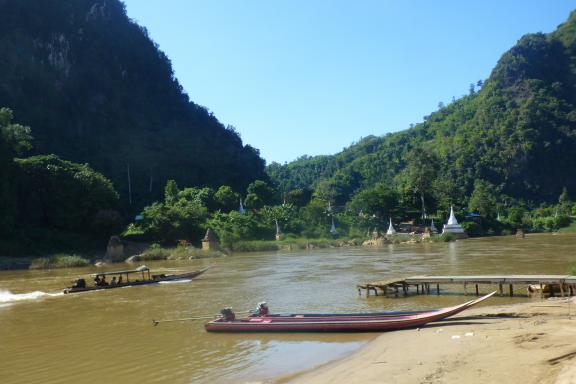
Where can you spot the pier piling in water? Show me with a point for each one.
(562, 284)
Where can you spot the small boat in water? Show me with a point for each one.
(367, 322)
(119, 279)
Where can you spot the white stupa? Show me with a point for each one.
(241, 209)
(333, 230)
(452, 226)
(391, 230)
(433, 228)
(279, 234)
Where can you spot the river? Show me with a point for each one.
(107, 336)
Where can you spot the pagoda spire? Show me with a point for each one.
(333, 230)
(452, 220)
(452, 226)
(433, 227)
(391, 230)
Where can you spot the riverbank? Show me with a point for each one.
(531, 342)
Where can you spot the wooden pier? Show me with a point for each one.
(561, 284)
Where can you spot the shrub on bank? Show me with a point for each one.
(59, 261)
(156, 252)
(445, 237)
(291, 243)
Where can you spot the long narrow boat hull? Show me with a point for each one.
(315, 316)
(338, 324)
(155, 280)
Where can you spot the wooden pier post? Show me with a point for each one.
(566, 284)
(541, 290)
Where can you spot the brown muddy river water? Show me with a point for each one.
(108, 337)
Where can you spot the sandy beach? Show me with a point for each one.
(532, 342)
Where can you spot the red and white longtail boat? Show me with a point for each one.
(335, 323)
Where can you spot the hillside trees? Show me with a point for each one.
(58, 194)
(96, 89)
(517, 132)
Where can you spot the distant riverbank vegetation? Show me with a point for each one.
(180, 252)
(503, 156)
(59, 261)
(52, 205)
(301, 219)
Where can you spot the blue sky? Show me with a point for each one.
(311, 77)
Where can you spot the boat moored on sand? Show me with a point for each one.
(367, 322)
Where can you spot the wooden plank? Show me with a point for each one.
(423, 283)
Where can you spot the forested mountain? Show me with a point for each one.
(513, 136)
(96, 89)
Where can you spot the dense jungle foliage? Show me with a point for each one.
(108, 115)
(511, 139)
(96, 89)
(48, 204)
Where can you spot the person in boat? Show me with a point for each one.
(262, 309)
(79, 283)
(114, 282)
(228, 314)
(120, 280)
(103, 282)
(97, 281)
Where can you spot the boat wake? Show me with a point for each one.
(7, 297)
(176, 281)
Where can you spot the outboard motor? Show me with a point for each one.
(228, 314)
(262, 309)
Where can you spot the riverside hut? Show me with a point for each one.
(210, 242)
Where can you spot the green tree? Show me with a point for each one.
(380, 201)
(418, 178)
(278, 213)
(17, 136)
(484, 199)
(203, 196)
(233, 226)
(58, 194)
(171, 192)
(298, 197)
(564, 197)
(226, 199)
(259, 194)
(14, 139)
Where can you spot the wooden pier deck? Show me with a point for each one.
(562, 284)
